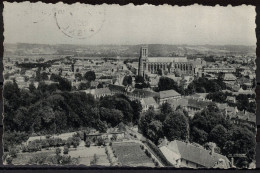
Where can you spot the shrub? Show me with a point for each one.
(142, 147)
(65, 160)
(68, 142)
(147, 153)
(158, 152)
(156, 164)
(65, 150)
(9, 160)
(95, 159)
(13, 152)
(110, 143)
(58, 151)
(34, 146)
(38, 158)
(75, 141)
(100, 141)
(87, 142)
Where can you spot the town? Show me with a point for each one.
(181, 110)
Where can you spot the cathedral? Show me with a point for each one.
(151, 65)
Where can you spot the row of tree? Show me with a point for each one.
(241, 101)
(46, 110)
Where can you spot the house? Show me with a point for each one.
(165, 96)
(244, 118)
(195, 105)
(148, 103)
(229, 77)
(182, 154)
(231, 99)
(132, 93)
(99, 92)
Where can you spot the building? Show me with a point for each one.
(244, 118)
(182, 154)
(148, 103)
(99, 92)
(169, 64)
(168, 95)
(219, 69)
(133, 93)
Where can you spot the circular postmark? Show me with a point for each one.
(82, 22)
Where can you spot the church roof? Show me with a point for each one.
(166, 59)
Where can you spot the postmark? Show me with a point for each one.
(80, 23)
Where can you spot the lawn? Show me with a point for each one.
(23, 158)
(85, 155)
(130, 154)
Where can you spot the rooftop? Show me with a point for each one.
(168, 93)
(196, 154)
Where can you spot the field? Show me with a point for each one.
(130, 154)
(23, 158)
(86, 154)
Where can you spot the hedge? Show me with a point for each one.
(158, 153)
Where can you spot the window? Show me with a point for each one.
(187, 162)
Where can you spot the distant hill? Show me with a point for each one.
(155, 50)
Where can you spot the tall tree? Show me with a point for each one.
(176, 126)
(90, 76)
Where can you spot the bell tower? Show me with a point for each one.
(142, 60)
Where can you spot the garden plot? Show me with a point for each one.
(85, 155)
(130, 154)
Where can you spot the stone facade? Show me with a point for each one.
(152, 65)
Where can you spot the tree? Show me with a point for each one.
(87, 142)
(166, 83)
(198, 135)
(64, 84)
(95, 160)
(90, 76)
(44, 76)
(166, 108)
(155, 131)
(127, 80)
(218, 135)
(84, 86)
(32, 87)
(240, 141)
(112, 116)
(137, 109)
(176, 126)
(78, 76)
(100, 85)
(65, 150)
(145, 120)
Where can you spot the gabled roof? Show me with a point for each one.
(149, 101)
(198, 103)
(168, 93)
(99, 91)
(197, 155)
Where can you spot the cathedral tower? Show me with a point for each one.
(142, 60)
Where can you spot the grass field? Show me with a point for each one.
(130, 154)
(23, 158)
(86, 154)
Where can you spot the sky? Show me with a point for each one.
(113, 24)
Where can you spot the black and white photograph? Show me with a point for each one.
(129, 86)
